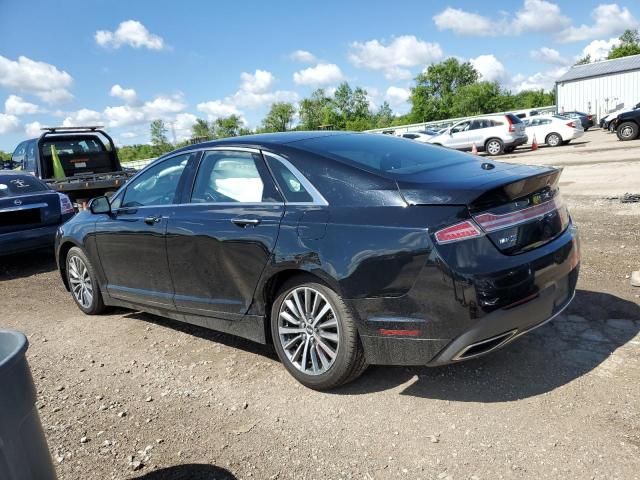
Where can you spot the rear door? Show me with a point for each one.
(131, 241)
(220, 241)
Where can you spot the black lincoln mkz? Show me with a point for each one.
(342, 249)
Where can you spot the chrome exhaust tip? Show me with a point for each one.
(484, 346)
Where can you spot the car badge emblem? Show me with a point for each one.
(17, 202)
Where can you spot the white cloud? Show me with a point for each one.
(489, 68)
(321, 74)
(126, 94)
(303, 56)
(217, 109)
(15, 105)
(609, 19)
(182, 125)
(39, 78)
(130, 135)
(397, 96)
(465, 23)
(8, 123)
(33, 129)
(540, 80)
(83, 117)
(162, 106)
(534, 16)
(539, 16)
(599, 49)
(132, 33)
(549, 55)
(259, 82)
(396, 57)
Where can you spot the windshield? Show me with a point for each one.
(383, 154)
(15, 185)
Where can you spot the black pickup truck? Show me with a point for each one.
(81, 162)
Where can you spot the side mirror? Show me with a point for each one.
(100, 205)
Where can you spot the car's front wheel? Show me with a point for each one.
(553, 140)
(82, 282)
(494, 146)
(627, 131)
(315, 335)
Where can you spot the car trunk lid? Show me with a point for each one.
(518, 207)
(29, 211)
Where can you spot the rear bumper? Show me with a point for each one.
(516, 142)
(439, 325)
(25, 240)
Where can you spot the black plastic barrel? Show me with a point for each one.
(23, 448)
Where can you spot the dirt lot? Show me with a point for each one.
(562, 402)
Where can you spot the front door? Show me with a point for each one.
(459, 136)
(131, 242)
(219, 243)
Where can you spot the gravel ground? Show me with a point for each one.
(130, 395)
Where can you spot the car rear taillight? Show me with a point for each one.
(590, 117)
(571, 125)
(511, 127)
(460, 231)
(491, 222)
(65, 204)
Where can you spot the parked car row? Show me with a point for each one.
(497, 134)
(625, 122)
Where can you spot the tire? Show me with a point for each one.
(316, 369)
(494, 146)
(627, 131)
(553, 140)
(83, 283)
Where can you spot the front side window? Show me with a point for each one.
(157, 185)
(19, 155)
(461, 127)
(233, 177)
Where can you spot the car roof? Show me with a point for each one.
(264, 139)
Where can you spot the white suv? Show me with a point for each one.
(494, 134)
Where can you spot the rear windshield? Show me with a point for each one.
(77, 155)
(513, 118)
(383, 153)
(12, 186)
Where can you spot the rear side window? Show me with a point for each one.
(289, 184)
(13, 186)
(383, 154)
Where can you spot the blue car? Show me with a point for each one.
(30, 213)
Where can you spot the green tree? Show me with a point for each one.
(432, 96)
(343, 102)
(200, 129)
(279, 118)
(158, 133)
(477, 98)
(227, 126)
(533, 99)
(312, 110)
(384, 116)
(629, 45)
(584, 60)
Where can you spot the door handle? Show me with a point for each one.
(244, 222)
(153, 219)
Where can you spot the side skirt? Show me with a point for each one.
(250, 327)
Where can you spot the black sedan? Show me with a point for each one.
(341, 249)
(30, 213)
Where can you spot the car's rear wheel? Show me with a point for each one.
(627, 131)
(82, 282)
(315, 335)
(494, 146)
(553, 140)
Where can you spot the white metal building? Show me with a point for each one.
(601, 87)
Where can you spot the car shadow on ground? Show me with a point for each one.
(21, 265)
(594, 326)
(194, 471)
(204, 333)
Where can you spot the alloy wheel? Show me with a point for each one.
(80, 280)
(308, 330)
(553, 140)
(493, 147)
(626, 132)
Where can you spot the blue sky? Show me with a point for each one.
(122, 64)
